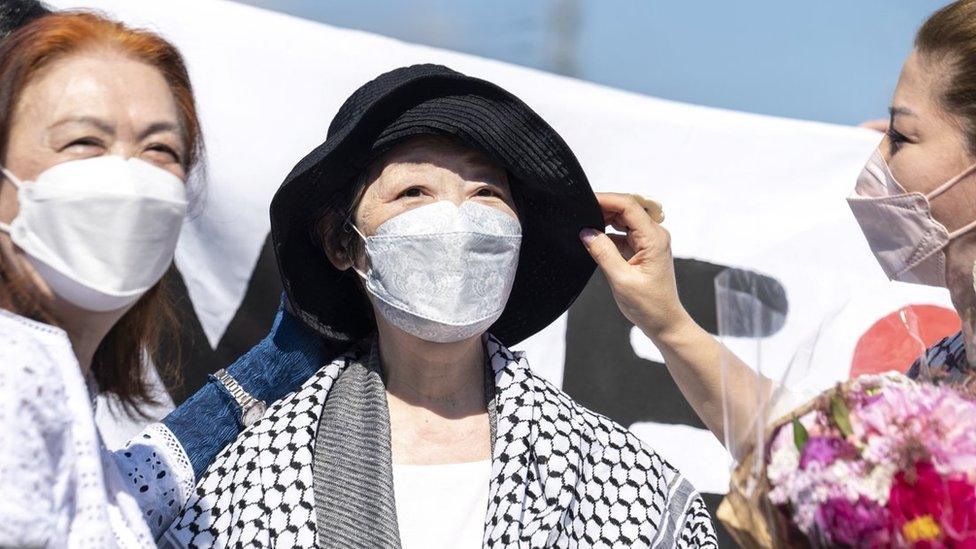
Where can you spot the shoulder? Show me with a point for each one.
(23, 341)
(948, 356)
(629, 477)
(299, 409)
(35, 434)
(250, 476)
(31, 377)
(602, 438)
(590, 434)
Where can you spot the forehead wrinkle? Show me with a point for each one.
(52, 94)
(414, 172)
(89, 120)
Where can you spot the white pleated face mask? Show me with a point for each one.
(100, 231)
(443, 273)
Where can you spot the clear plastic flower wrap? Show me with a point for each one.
(823, 459)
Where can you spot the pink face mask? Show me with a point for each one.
(906, 240)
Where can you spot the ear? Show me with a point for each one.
(337, 253)
(329, 235)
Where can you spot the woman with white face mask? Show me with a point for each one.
(96, 143)
(439, 223)
(98, 131)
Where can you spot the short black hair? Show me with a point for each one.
(17, 13)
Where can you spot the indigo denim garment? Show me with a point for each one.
(211, 419)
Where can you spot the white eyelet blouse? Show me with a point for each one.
(59, 485)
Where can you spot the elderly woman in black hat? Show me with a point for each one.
(438, 224)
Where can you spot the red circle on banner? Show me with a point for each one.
(889, 344)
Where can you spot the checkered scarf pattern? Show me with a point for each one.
(562, 476)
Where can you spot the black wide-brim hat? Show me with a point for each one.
(551, 193)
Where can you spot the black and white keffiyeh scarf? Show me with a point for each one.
(316, 471)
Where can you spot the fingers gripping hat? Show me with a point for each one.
(551, 193)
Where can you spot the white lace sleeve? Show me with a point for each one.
(159, 473)
(34, 445)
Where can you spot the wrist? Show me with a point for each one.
(249, 408)
(678, 327)
(203, 440)
(247, 371)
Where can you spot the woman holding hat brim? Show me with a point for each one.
(439, 223)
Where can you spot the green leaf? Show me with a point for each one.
(840, 414)
(800, 434)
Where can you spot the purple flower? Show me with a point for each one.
(859, 524)
(824, 450)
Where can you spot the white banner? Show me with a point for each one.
(739, 189)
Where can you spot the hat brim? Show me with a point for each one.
(552, 196)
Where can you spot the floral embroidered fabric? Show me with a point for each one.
(158, 473)
(61, 486)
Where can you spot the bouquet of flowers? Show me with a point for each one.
(879, 461)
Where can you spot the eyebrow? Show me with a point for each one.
(155, 127)
(159, 127)
(90, 120)
(903, 111)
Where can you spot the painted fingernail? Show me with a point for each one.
(587, 235)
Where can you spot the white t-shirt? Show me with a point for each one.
(442, 506)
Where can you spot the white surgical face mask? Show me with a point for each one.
(908, 242)
(100, 231)
(443, 273)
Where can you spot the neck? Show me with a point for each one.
(446, 378)
(960, 256)
(86, 329)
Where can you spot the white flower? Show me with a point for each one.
(876, 485)
(784, 462)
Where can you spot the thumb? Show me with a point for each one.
(603, 250)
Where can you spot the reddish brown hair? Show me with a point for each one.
(119, 360)
(949, 36)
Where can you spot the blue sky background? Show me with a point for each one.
(830, 60)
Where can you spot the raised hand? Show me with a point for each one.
(638, 263)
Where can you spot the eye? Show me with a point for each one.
(83, 143)
(412, 192)
(895, 139)
(486, 192)
(168, 153)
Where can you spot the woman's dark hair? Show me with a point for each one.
(148, 331)
(949, 37)
(17, 13)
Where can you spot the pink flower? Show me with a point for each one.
(959, 521)
(918, 422)
(824, 450)
(929, 510)
(859, 524)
